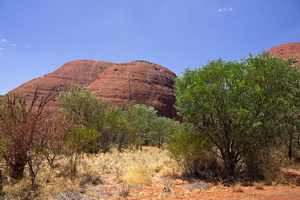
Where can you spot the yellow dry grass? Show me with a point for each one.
(137, 175)
(130, 167)
(237, 188)
(259, 185)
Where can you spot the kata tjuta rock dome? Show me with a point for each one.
(287, 51)
(140, 82)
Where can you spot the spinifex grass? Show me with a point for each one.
(131, 167)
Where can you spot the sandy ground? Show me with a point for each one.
(164, 188)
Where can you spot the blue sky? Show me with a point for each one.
(39, 36)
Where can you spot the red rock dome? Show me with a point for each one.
(139, 82)
(287, 51)
(82, 72)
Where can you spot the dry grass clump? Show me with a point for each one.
(18, 190)
(135, 167)
(171, 170)
(155, 159)
(259, 185)
(237, 187)
(48, 183)
(60, 185)
(137, 175)
(124, 192)
(274, 177)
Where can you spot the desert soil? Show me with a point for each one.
(165, 188)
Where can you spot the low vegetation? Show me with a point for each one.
(131, 168)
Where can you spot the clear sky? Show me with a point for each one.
(39, 36)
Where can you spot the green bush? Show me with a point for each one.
(79, 140)
(191, 151)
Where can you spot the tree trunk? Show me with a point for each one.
(73, 168)
(1, 183)
(230, 167)
(290, 151)
(290, 146)
(230, 162)
(17, 169)
(50, 160)
(120, 147)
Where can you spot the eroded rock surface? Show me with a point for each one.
(287, 51)
(139, 82)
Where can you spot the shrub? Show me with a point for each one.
(263, 164)
(190, 150)
(79, 140)
(86, 109)
(22, 128)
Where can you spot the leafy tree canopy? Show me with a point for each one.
(86, 108)
(239, 105)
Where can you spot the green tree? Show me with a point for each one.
(85, 107)
(290, 130)
(141, 118)
(148, 127)
(162, 129)
(79, 140)
(118, 130)
(89, 110)
(239, 105)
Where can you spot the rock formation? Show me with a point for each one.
(140, 82)
(287, 51)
